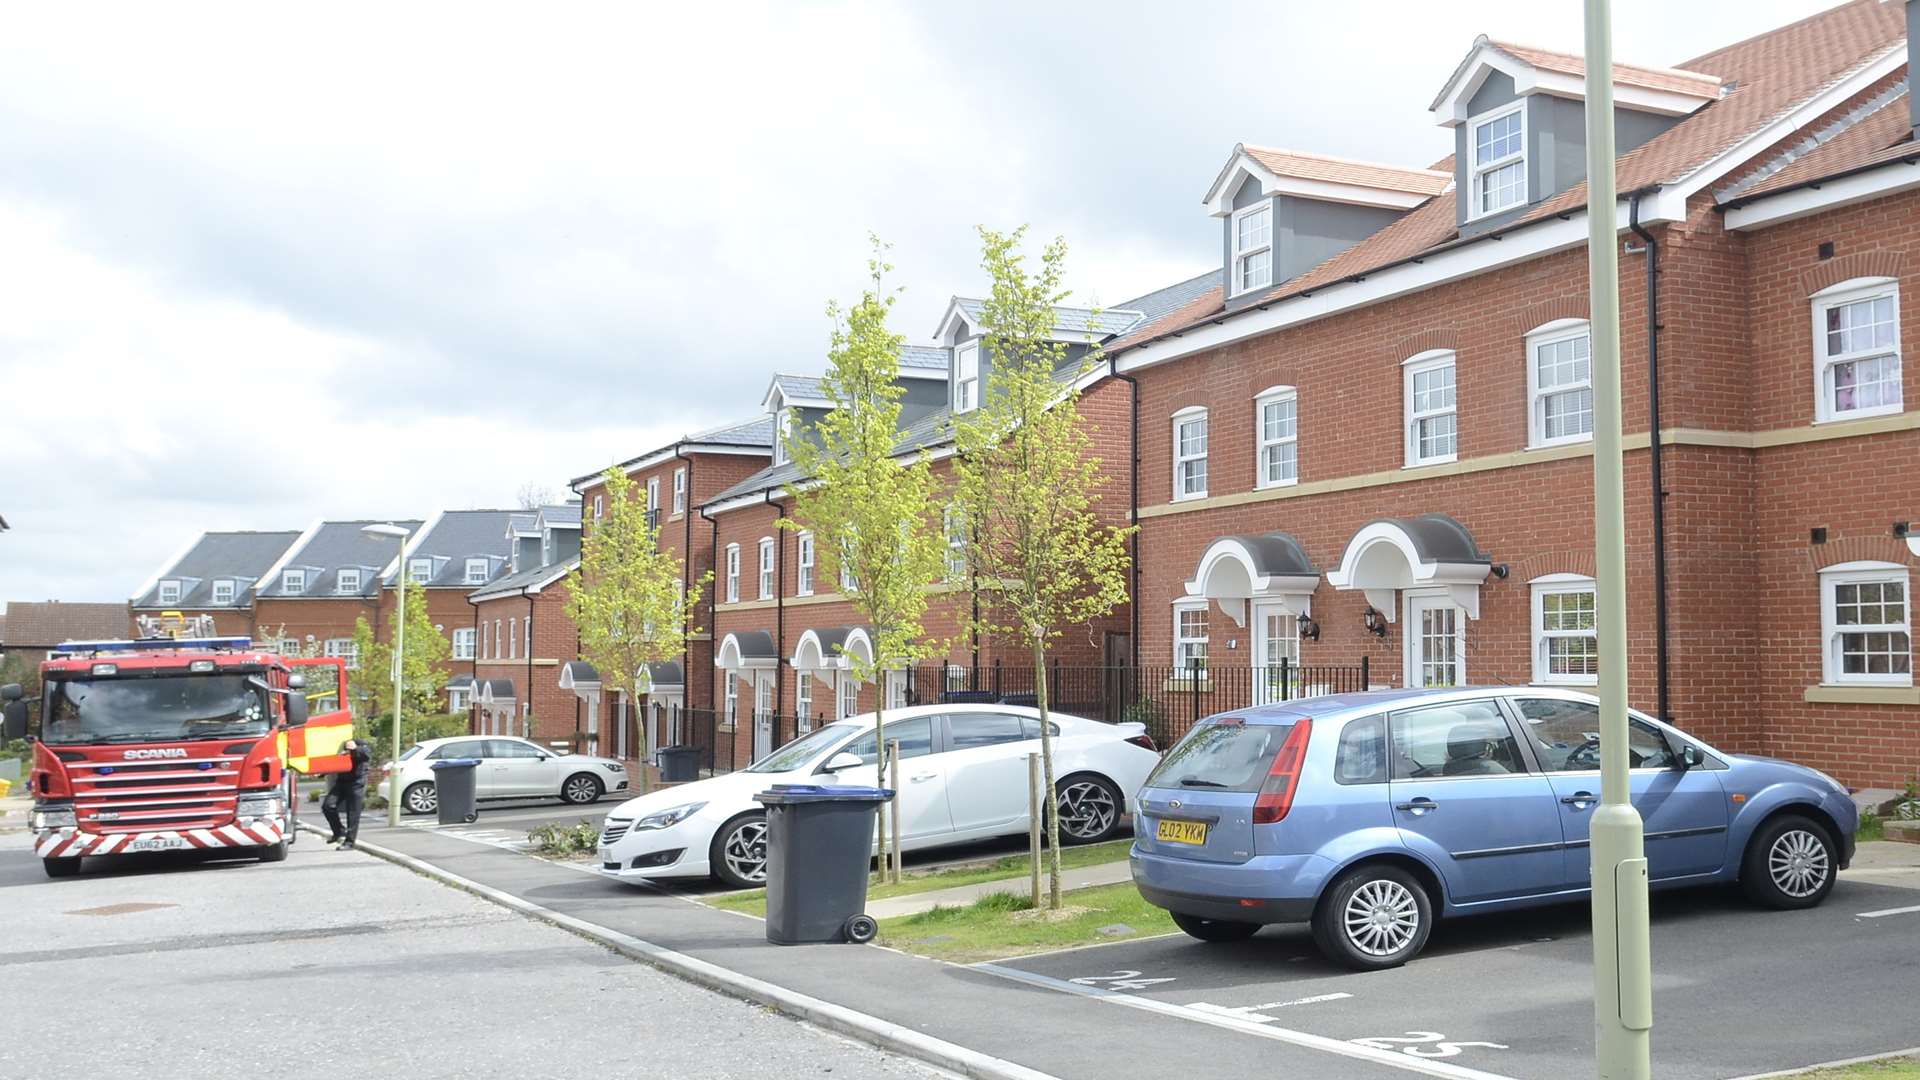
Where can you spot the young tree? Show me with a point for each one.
(424, 680)
(872, 514)
(1029, 484)
(626, 597)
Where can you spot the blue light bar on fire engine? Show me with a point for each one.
(152, 644)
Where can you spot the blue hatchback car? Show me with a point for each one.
(1371, 815)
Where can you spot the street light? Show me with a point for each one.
(399, 652)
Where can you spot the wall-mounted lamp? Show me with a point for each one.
(1309, 630)
(1375, 622)
(1500, 570)
(1902, 529)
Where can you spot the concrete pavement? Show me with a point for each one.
(337, 964)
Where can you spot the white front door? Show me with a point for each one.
(762, 714)
(667, 732)
(1276, 652)
(896, 690)
(1436, 634)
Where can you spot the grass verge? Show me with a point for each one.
(1871, 828)
(1000, 925)
(1010, 868)
(1905, 1068)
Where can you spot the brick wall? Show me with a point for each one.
(556, 713)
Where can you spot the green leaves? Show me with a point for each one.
(425, 650)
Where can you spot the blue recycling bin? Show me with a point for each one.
(819, 843)
(456, 790)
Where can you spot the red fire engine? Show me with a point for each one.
(174, 744)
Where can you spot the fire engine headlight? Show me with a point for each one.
(668, 818)
(263, 804)
(52, 817)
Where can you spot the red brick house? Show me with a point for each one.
(216, 575)
(524, 636)
(31, 630)
(454, 554)
(1373, 434)
(329, 578)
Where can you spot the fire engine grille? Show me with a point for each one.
(615, 829)
(184, 793)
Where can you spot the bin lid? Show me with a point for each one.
(456, 763)
(788, 794)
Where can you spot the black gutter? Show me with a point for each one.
(1133, 504)
(1843, 174)
(1362, 275)
(473, 699)
(1660, 662)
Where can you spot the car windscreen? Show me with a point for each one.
(802, 750)
(1227, 754)
(411, 751)
(165, 708)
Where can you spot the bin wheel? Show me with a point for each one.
(861, 929)
(471, 818)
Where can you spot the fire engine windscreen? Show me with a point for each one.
(167, 708)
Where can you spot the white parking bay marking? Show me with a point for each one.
(1417, 1044)
(1389, 1058)
(1887, 912)
(1255, 1013)
(1120, 980)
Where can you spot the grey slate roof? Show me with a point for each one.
(237, 556)
(559, 514)
(1074, 320)
(515, 584)
(460, 535)
(1165, 301)
(923, 356)
(799, 386)
(755, 432)
(335, 546)
(523, 522)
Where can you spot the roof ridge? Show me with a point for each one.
(1343, 160)
(1655, 69)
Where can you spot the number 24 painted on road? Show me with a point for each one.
(1120, 980)
(1442, 1049)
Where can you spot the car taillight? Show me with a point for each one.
(1144, 742)
(1276, 793)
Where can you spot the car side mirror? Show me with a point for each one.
(296, 682)
(11, 692)
(296, 709)
(842, 760)
(1691, 758)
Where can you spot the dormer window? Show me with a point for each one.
(1499, 141)
(169, 592)
(420, 570)
(966, 377)
(477, 571)
(1253, 248)
(223, 592)
(348, 582)
(293, 581)
(782, 431)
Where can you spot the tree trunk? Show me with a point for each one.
(880, 778)
(1046, 767)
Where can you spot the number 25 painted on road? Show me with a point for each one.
(1120, 980)
(1441, 1049)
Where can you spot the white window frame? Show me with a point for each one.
(169, 587)
(482, 566)
(513, 639)
(342, 648)
(224, 591)
(1552, 333)
(343, 576)
(653, 497)
(499, 640)
(679, 491)
(803, 586)
(733, 573)
(966, 376)
(1851, 291)
(293, 581)
(849, 581)
(766, 568)
(420, 570)
(1420, 363)
(1860, 573)
(526, 638)
(1181, 418)
(484, 641)
(846, 695)
(1181, 661)
(782, 428)
(457, 700)
(953, 527)
(599, 506)
(1560, 585)
(463, 643)
(803, 700)
(1274, 395)
(1241, 283)
(730, 715)
(1477, 173)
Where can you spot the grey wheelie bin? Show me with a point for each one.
(819, 843)
(456, 788)
(679, 763)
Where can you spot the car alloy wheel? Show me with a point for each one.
(581, 788)
(745, 851)
(1797, 861)
(1381, 918)
(422, 799)
(1087, 810)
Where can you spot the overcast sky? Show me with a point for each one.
(264, 264)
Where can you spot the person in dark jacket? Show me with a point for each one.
(346, 794)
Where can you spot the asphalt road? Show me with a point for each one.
(338, 964)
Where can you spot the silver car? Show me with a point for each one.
(509, 769)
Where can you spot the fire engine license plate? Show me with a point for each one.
(156, 843)
(1183, 832)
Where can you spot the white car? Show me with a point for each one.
(963, 777)
(509, 769)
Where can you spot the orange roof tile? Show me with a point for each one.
(1338, 170)
(1885, 135)
(1669, 79)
